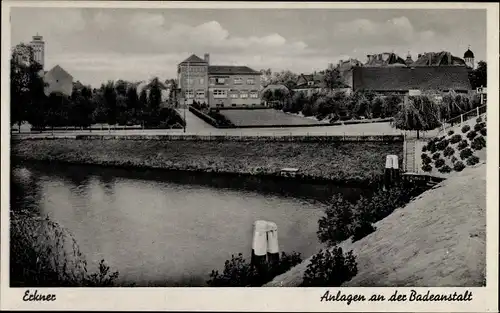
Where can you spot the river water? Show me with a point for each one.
(162, 228)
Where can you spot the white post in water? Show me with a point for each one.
(387, 172)
(259, 244)
(395, 168)
(273, 255)
(265, 243)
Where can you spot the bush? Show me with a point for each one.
(454, 159)
(424, 148)
(427, 168)
(458, 166)
(465, 153)
(479, 126)
(436, 156)
(478, 143)
(335, 226)
(472, 160)
(330, 268)
(431, 146)
(455, 138)
(483, 131)
(449, 151)
(451, 132)
(465, 128)
(463, 144)
(344, 217)
(43, 254)
(445, 169)
(240, 273)
(426, 160)
(439, 163)
(479, 120)
(471, 135)
(441, 145)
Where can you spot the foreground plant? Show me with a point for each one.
(330, 268)
(43, 254)
(240, 273)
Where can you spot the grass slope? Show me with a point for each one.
(265, 117)
(348, 162)
(437, 240)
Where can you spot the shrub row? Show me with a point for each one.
(240, 273)
(344, 219)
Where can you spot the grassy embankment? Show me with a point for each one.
(346, 162)
(438, 240)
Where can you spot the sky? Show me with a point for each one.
(100, 44)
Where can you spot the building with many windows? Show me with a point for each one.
(217, 85)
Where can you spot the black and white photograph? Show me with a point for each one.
(213, 146)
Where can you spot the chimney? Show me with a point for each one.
(449, 58)
(207, 58)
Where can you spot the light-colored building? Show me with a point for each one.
(217, 85)
(38, 46)
(58, 80)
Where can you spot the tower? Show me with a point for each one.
(38, 46)
(408, 60)
(469, 58)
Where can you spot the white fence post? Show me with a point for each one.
(461, 119)
(477, 110)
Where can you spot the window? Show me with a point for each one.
(220, 81)
(254, 95)
(238, 81)
(243, 94)
(220, 93)
(200, 94)
(234, 95)
(212, 80)
(310, 83)
(251, 81)
(202, 81)
(189, 93)
(189, 81)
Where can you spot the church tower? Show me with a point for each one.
(38, 46)
(469, 58)
(408, 60)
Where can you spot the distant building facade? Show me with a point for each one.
(58, 80)
(217, 85)
(309, 83)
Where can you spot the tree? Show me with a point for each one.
(418, 113)
(331, 78)
(109, 97)
(154, 98)
(81, 107)
(265, 78)
(143, 105)
(287, 78)
(26, 87)
(478, 76)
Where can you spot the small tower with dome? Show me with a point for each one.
(408, 60)
(469, 58)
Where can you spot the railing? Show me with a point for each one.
(459, 120)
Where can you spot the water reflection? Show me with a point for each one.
(166, 228)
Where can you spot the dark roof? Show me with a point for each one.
(230, 69)
(468, 54)
(193, 59)
(437, 59)
(391, 58)
(406, 78)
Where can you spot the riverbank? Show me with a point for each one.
(437, 240)
(343, 162)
